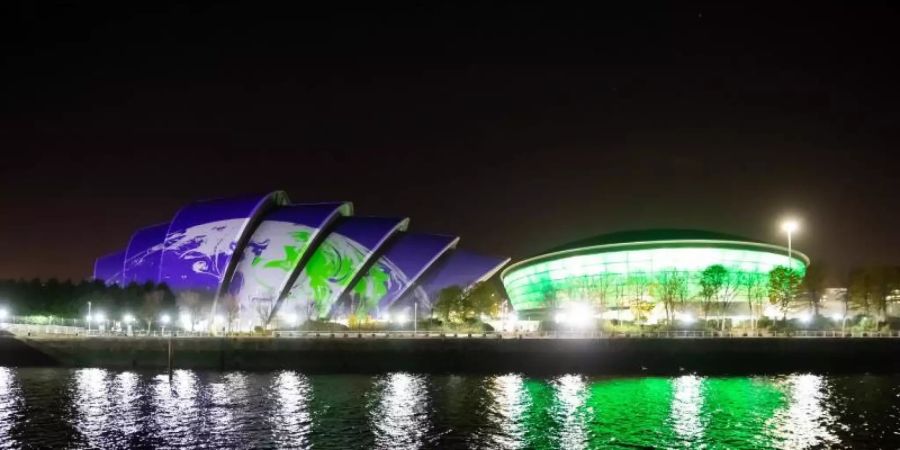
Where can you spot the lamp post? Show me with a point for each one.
(89, 317)
(790, 226)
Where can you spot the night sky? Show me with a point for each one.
(515, 126)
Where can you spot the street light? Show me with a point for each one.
(3, 313)
(789, 226)
(164, 319)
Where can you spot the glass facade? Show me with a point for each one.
(617, 274)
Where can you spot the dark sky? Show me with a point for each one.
(517, 126)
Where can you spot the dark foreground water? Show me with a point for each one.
(96, 408)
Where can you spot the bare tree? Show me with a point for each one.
(640, 286)
(754, 286)
(731, 284)
(263, 307)
(669, 287)
(191, 303)
(711, 281)
(151, 307)
(813, 286)
(232, 308)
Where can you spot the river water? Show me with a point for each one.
(97, 408)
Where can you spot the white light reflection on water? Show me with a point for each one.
(224, 400)
(176, 409)
(686, 407)
(507, 405)
(94, 413)
(291, 421)
(571, 394)
(9, 405)
(127, 401)
(805, 421)
(400, 416)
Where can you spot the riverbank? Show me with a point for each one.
(459, 355)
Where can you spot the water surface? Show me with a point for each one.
(97, 408)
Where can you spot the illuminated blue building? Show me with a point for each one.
(268, 258)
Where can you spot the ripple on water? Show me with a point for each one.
(98, 408)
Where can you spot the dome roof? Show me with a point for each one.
(651, 235)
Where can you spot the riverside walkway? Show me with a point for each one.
(56, 330)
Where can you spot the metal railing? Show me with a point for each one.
(587, 335)
(60, 330)
(26, 329)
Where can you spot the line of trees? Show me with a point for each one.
(69, 300)
(870, 291)
(712, 290)
(457, 305)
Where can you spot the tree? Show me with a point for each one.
(639, 284)
(670, 287)
(600, 290)
(232, 307)
(263, 307)
(754, 286)
(455, 304)
(813, 286)
(482, 299)
(859, 290)
(190, 303)
(712, 280)
(150, 308)
(448, 302)
(783, 285)
(870, 289)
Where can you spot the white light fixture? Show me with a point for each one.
(3, 313)
(164, 319)
(128, 318)
(790, 226)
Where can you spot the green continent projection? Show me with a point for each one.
(371, 289)
(269, 258)
(330, 269)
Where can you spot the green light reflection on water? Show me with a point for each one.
(574, 412)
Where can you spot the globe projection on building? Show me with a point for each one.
(270, 260)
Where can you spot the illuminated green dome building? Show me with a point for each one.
(629, 275)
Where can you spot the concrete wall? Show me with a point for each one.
(623, 356)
